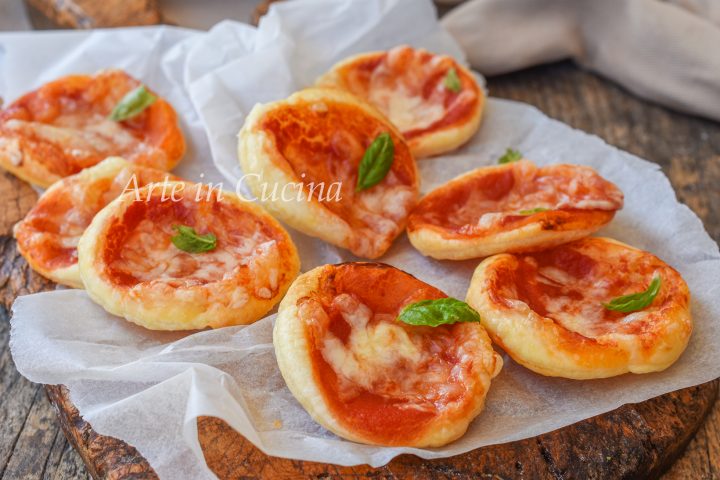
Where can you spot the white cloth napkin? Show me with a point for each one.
(668, 52)
(13, 15)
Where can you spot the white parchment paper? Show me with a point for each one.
(148, 388)
(155, 55)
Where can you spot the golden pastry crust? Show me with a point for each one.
(516, 207)
(546, 309)
(408, 86)
(132, 269)
(48, 235)
(63, 127)
(313, 142)
(370, 378)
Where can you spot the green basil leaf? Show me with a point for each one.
(188, 240)
(452, 81)
(443, 311)
(132, 104)
(635, 301)
(376, 162)
(510, 156)
(533, 211)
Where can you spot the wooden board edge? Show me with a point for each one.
(680, 413)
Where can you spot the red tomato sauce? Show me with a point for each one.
(324, 142)
(385, 290)
(409, 70)
(230, 224)
(596, 272)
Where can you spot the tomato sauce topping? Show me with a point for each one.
(380, 377)
(408, 86)
(49, 233)
(497, 198)
(138, 247)
(322, 143)
(64, 125)
(570, 283)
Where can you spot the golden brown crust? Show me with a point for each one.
(546, 309)
(316, 138)
(516, 207)
(131, 268)
(47, 237)
(62, 127)
(408, 86)
(369, 378)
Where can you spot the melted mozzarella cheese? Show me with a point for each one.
(97, 135)
(397, 86)
(383, 209)
(577, 303)
(149, 256)
(86, 198)
(371, 349)
(10, 148)
(486, 221)
(392, 202)
(408, 111)
(560, 186)
(551, 188)
(580, 316)
(381, 357)
(264, 262)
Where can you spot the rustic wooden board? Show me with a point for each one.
(634, 441)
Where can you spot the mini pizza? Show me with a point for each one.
(368, 377)
(182, 256)
(434, 101)
(513, 207)
(330, 166)
(66, 125)
(593, 308)
(48, 235)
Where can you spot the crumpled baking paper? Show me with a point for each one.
(148, 388)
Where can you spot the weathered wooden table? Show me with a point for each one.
(32, 445)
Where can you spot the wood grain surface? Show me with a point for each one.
(95, 14)
(634, 441)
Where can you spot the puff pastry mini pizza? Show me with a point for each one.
(435, 102)
(181, 256)
(76, 121)
(330, 166)
(593, 308)
(368, 377)
(48, 235)
(510, 208)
